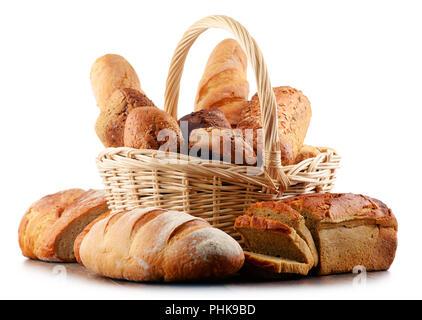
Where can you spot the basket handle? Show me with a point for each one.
(271, 148)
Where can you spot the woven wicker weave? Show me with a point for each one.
(216, 191)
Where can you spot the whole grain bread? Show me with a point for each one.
(294, 115)
(110, 124)
(152, 128)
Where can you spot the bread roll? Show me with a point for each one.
(152, 128)
(110, 124)
(49, 228)
(294, 115)
(224, 83)
(158, 245)
(349, 230)
(221, 144)
(307, 152)
(109, 73)
(208, 118)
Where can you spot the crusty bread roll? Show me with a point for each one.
(221, 144)
(224, 83)
(349, 230)
(49, 228)
(152, 128)
(273, 238)
(307, 152)
(82, 234)
(208, 118)
(110, 124)
(158, 245)
(294, 115)
(109, 73)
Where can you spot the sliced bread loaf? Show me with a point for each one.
(274, 238)
(281, 212)
(266, 266)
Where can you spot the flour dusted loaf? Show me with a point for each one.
(153, 244)
(349, 230)
(49, 228)
(109, 73)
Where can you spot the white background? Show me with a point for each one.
(359, 63)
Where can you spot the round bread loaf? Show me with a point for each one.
(152, 128)
(111, 121)
(207, 118)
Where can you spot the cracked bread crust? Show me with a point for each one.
(349, 230)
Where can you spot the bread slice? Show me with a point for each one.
(81, 236)
(40, 217)
(349, 230)
(281, 212)
(266, 266)
(55, 222)
(273, 238)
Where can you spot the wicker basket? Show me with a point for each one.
(213, 190)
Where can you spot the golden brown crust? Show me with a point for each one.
(111, 121)
(349, 230)
(339, 207)
(221, 144)
(79, 209)
(109, 73)
(224, 83)
(281, 212)
(276, 206)
(152, 128)
(40, 217)
(307, 152)
(261, 223)
(81, 236)
(158, 245)
(294, 115)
